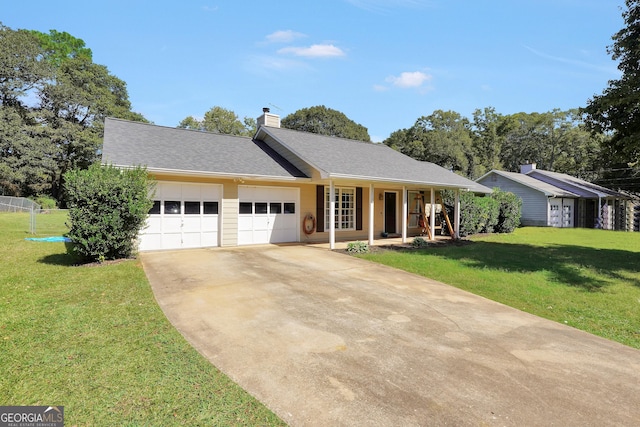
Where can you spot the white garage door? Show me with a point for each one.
(561, 213)
(268, 215)
(183, 216)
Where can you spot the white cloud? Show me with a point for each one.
(409, 79)
(380, 88)
(210, 8)
(314, 51)
(274, 63)
(284, 36)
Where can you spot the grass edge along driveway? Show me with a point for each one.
(92, 339)
(588, 279)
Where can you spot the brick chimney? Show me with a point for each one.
(268, 119)
(527, 168)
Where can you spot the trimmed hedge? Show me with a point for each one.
(510, 208)
(107, 209)
(499, 213)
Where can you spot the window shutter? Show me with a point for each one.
(358, 208)
(320, 208)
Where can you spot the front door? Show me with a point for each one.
(390, 212)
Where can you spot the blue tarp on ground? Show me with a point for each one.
(49, 239)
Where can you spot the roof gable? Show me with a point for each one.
(335, 157)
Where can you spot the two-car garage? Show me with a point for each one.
(190, 216)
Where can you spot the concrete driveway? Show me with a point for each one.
(324, 339)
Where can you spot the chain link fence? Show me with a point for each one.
(36, 220)
(17, 204)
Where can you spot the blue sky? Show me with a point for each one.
(384, 63)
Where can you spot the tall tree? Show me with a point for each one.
(442, 137)
(325, 121)
(57, 46)
(616, 111)
(555, 140)
(74, 107)
(488, 131)
(220, 120)
(53, 103)
(21, 67)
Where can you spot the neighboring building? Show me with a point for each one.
(222, 190)
(559, 200)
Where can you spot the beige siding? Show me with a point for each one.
(229, 215)
(271, 120)
(307, 205)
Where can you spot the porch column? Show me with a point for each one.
(456, 216)
(371, 209)
(405, 212)
(432, 214)
(599, 214)
(332, 215)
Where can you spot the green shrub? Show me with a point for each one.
(108, 207)
(510, 210)
(470, 211)
(489, 211)
(419, 242)
(357, 247)
(499, 213)
(46, 202)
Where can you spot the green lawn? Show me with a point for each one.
(588, 279)
(92, 339)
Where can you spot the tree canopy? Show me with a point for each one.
(325, 121)
(221, 120)
(53, 102)
(616, 112)
(442, 137)
(555, 140)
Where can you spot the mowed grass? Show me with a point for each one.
(93, 340)
(588, 279)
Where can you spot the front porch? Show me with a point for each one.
(415, 206)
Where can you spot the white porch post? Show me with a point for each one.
(456, 216)
(600, 225)
(432, 214)
(405, 211)
(371, 209)
(332, 215)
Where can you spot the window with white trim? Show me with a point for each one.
(345, 209)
